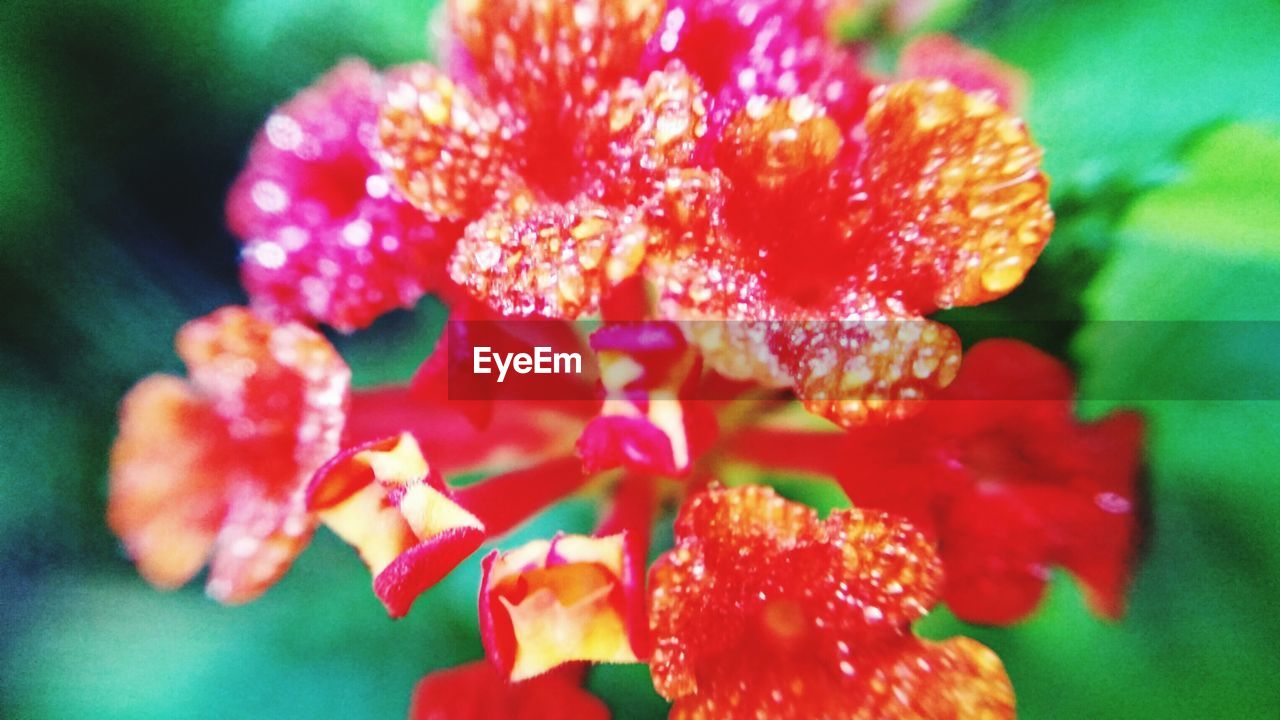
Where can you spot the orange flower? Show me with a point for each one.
(547, 151)
(383, 498)
(763, 610)
(573, 598)
(217, 466)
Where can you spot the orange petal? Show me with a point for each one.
(955, 182)
(651, 128)
(959, 678)
(544, 56)
(858, 371)
(167, 480)
(282, 392)
(548, 603)
(547, 260)
(447, 152)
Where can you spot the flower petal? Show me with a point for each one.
(762, 610)
(545, 56)
(942, 57)
(541, 260)
(265, 407)
(955, 189)
(548, 603)
(649, 129)
(959, 678)
(857, 371)
(448, 152)
(167, 480)
(383, 498)
(999, 470)
(477, 692)
(612, 441)
(326, 238)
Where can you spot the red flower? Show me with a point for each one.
(477, 692)
(217, 466)
(326, 236)
(763, 610)
(383, 498)
(574, 598)
(815, 207)
(1010, 484)
(934, 200)
(549, 151)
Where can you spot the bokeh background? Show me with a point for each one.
(123, 123)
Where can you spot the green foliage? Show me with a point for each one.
(1205, 248)
(1115, 84)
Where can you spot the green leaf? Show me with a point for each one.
(1117, 85)
(1182, 325)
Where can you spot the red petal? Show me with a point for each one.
(168, 480)
(761, 610)
(422, 566)
(995, 549)
(477, 692)
(632, 442)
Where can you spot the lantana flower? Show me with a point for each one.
(477, 691)
(751, 212)
(548, 149)
(573, 598)
(861, 218)
(763, 610)
(386, 500)
(215, 468)
(999, 472)
(327, 237)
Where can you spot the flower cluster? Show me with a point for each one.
(760, 222)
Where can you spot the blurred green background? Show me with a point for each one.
(122, 124)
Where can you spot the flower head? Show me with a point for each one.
(477, 691)
(763, 610)
(549, 153)
(822, 199)
(1010, 484)
(326, 236)
(217, 466)
(934, 199)
(568, 599)
(383, 498)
